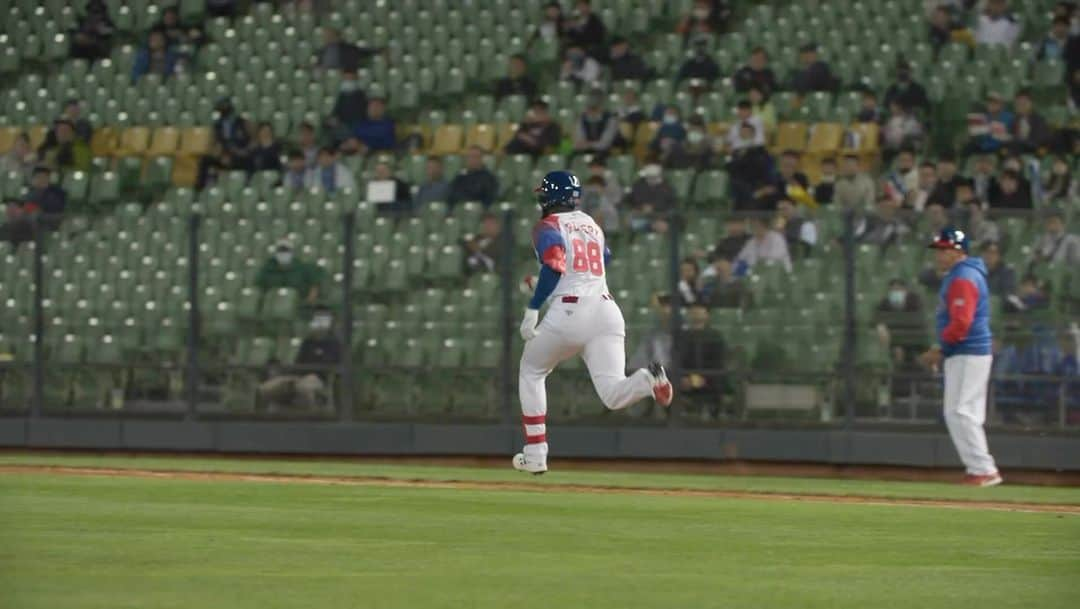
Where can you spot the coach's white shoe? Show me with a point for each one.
(662, 390)
(533, 466)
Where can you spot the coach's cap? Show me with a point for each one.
(950, 239)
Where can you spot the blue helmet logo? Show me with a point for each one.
(559, 188)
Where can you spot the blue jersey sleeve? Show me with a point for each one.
(545, 285)
(547, 235)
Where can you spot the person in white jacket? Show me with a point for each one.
(766, 244)
(329, 175)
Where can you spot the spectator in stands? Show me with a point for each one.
(221, 8)
(232, 144)
(909, 94)
(377, 131)
(1059, 184)
(1056, 44)
(765, 245)
(762, 109)
(735, 238)
(350, 106)
(869, 112)
(307, 384)
(597, 201)
(996, 126)
(983, 180)
(934, 218)
(1011, 195)
(750, 168)
(917, 197)
(941, 27)
(482, 250)
(597, 128)
(537, 134)
(651, 198)
(66, 152)
(177, 34)
(788, 181)
(73, 114)
(284, 270)
(1000, 277)
(744, 113)
(630, 112)
(43, 200)
(1031, 295)
(814, 74)
(307, 144)
(296, 172)
(266, 155)
(883, 227)
(996, 25)
(613, 190)
(801, 233)
(585, 29)
(475, 182)
(336, 54)
(825, 188)
(756, 73)
(902, 130)
(671, 133)
(92, 37)
(695, 151)
(329, 175)
(702, 358)
(1030, 130)
(157, 57)
(904, 176)
(1055, 246)
(655, 346)
(552, 26)
(517, 80)
(389, 193)
(624, 64)
(704, 16)
(21, 158)
(720, 288)
(435, 186)
(699, 66)
(579, 68)
(854, 188)
(900, 321)
(945, 191)
(688, 282)
(979, 228)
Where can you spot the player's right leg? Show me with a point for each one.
(605, 357)
(966, 378)
(539, 358)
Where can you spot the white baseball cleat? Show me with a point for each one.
(523, 464)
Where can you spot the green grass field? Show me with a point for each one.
(78, 542)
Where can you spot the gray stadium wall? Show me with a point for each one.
(828, 446)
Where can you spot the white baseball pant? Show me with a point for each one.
(966, 380)
(592, 326)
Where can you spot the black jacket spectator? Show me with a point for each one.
(42, 198)
(536, 134)
(266, 158)
(1014, 192)
(350, 106)
(908, 93)
(814, 75)
(623, 64)
(336, 54)
(586, 30)
(475, 182)
(1030, 129)
(747, 77)
(517, 81)
(699, 66)
(92, 36)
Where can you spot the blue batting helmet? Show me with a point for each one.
(950, 239)
(559, 188)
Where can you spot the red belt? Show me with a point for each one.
(573, 299)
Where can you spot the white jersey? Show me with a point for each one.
(582, 240)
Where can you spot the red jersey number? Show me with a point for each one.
(587, 257)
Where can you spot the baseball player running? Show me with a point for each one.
(582, 318)
(963, 331)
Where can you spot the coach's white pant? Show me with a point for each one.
(966, 380)
(593, 327)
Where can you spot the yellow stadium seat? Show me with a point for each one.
(719, 130)
(185, 170)
(448, 139)
(482, 135)
(7, 138)
(133, 141)
(37, 135)
(865, 137)
(104, 142)
(825, 139)
(196, 141)
(790, 136)
(164, 142)
(506, 133)
(646, 131)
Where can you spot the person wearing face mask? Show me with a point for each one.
(905, 91)
(1055, 246)
(306, 384)
(579, 68)
(693, 152)
(650, 196)
(699, 65)
(900, 322)
(284, 270)
(670, 135)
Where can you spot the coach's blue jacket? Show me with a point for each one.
(963, 311)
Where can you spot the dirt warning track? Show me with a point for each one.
(393, 482)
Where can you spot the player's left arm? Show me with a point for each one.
(551, 251)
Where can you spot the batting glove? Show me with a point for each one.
(528, 324)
